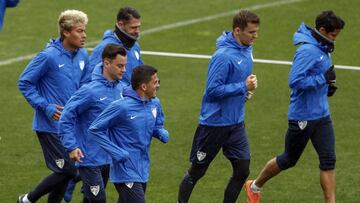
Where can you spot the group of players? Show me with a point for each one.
(95, 116)
(96, 110)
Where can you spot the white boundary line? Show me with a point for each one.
(169, 26)
(198, 56)
(220, 15)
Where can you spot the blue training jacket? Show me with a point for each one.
(225, 93)
(81, 110)
(3, 5)
(308, 99)
(125, 129)
(133, 54)
(51, 78)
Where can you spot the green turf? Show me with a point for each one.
(28, 27)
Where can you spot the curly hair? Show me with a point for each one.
(69, 18)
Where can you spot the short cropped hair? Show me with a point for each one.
(329, 21)
(69, 18)
(126, 13)
(243, 17)
(112, 50)
(142, 74)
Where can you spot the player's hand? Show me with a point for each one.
(57, 113)
(251, 82)
(164, 135)
(249, 94)
(76, 155)
(331, 89)
(330, 75)
(53, 111)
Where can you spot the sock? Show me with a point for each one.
(255, 188)
(25, 199)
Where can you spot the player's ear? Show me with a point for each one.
(121, 24)
(143, 87)
(322, 30)
(66, 33)
(237, 30)
(106, 62)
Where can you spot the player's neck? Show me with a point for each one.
(68, 46)
(142, 94)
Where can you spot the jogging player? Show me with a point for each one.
(125, 34)
(47, 83)
(229, 84)
(81, 110)
(125, 130)
(311, 80)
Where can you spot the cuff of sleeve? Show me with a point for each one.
(244, 89)
(43, 106)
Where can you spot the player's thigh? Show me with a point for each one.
(207, 142)
(105, 170)
(323, 141)
(236, 146)
(93, 183)
(55, 155)
(297, 137)
(130, 192)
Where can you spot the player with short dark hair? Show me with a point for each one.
(126, 13)
(229, 84)
(125, 34)
(125, 130)
(311, 80)
(81, 110)
(47, 83)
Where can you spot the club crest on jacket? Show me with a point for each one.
(82, 64)
(154, 112)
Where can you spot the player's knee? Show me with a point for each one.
(327, 163)
(241, 175)
(286, 162)
(289, 163)
(240, 169)
(197, 171)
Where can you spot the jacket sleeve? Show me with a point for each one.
(77, 104)
(159, 131)
(216, 86)
(302, 75)
(99, 130)
(29, 79)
